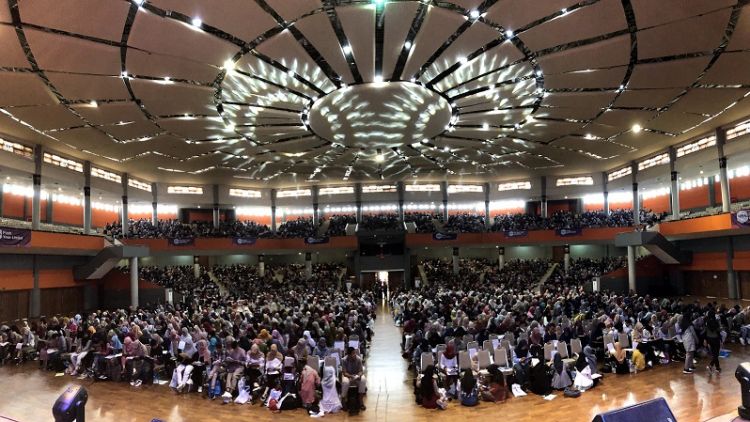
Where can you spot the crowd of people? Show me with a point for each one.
(465, 223)
(337, 224)
(424, 222)
(387, 221)
(146, 229)
(568, 220)
(501, 334)
(281, 342)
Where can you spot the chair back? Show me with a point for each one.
(624, 340)
(464, 361)
(487, 345)
(313, 362)
(608, 339)
(562, 349)
(426, 360)
(354, 341)
(483, 359)
(501, 358)
(472, 345)
(505, 344)
(575, 346)
(289, 362)
(510, 337)
(440, 348)
(548, 351)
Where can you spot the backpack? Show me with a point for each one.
(352, 401)
(569, 392)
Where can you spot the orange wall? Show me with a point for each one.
(24, 279)
(657, 204)
(67, 214)
(100, 218)
(260, 219)
(695, 198)
(696, 225)
(12, 205)
(739, 189)
(16, 280)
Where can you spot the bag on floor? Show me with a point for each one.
(352, 401)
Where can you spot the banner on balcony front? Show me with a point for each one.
(14, 237)
(741, 218)
(316, 240)
(244, 241)
(181, 241)
(568, 232)
(444, 236)
(516, 233)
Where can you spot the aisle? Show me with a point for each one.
(389, 393)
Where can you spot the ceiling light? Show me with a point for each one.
(197, 22)
(446, 149)
(378, 79)
(347, 49)
(509, 33)
(139, 2)
(228, 64)
(230, 127)
(378, 2)
(539, 72)
(463, 60)
(425, 140)
(93, 103)
(290, 73)
(636, 128)
(474, 14)
(407, 45)
(166, 79)
(124, 74)
(564, 11)
(412, 80)
(379, 158)
(485, 126)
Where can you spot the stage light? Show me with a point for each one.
(407, 45)
(93, 103)
(636, 128)
(71, 405)
(742, 373)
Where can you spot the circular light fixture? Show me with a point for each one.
(474, 14)
(378, 79)
(197, 22)
(380, 158)
(407, 45)
(93, 103)
(636, 128)
(509, 33)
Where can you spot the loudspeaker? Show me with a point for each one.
(656, 410)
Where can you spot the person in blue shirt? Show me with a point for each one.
(469, 391)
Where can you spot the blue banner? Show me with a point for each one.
(444, 236)
(244, 241)
(569, 232)
(14, 237)
(316, 240)
(181, 241)
(741, 218)
(516, 233)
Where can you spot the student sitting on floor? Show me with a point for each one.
(494, 388)
(469, 391)
(430, 396)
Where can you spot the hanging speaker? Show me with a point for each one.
(656, 410)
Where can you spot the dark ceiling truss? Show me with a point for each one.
(329, 6)
(414, 28)
(486, 88)
(379, 38)
(304, 42)
(504, 108)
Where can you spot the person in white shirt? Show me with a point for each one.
(448, 365)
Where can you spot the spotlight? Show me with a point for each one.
(407, 45)
(71, 405)
(93, 103)
(228, 65)
(347, 49)
(378, 79)
(474, 14)
(509, 33)
(197, 22)
(636, 128)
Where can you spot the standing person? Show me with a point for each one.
(713, 341)
(689, 341)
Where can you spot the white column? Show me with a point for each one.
(605, 192)
(487, 222)
(87, 197)
(636, 198)
(308, 265)
(216, 207)
(726, 200)
(124, 217)
(134, 282)
(566, 259)
(315, 205)
(543, 202)
(675, 186)
(154, 205)
(500, 258)
(169, 296)
(631, 268)
(261, 266)
(36, 201)
(444, 191)
(456, 264)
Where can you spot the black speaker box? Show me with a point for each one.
(656, 410)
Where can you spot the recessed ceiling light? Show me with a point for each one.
(463, 60)
(412, 80)
(290, 73)
(124, 74)
(425, 140)
(228, 64)
(347, 49)
(564, 11)
(93, 103)
(230, 127)
(509, 33)
(474, 14)
(485, 126)
(446, 149)
(539, 72)
(636, 128)
(378, 79)
(407, 45)
(379, 158)
(197, 22)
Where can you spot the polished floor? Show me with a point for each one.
(27, 395)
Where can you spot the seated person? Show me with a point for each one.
(449, 367)
(561, 377)
(181, 380)
(469, 390)
(235, 364)
(494, 388)
(330, 403)
(428, 390)
(353, 373)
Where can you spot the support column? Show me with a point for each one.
(636, 198)
(262, 265)
(675, 186)
(273, 210)
(308, 265)
(315, 204)
(712, 191)
(87, 197)
(154, 205)
(444, 192)
(733, 288)
(631, 268)
(35, 307)
(543, 203)
(487, 222)
(726, 200)
(358, 202)
(124, 210)
(400, 191)
(50, 210)
(216, 207)
(134, 282)
(456, 264)
(196, 267)
(500, 258)
(605, 192)
(566, 259)
(36, 201)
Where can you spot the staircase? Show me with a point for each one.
(438, 224)
(657, 244)
(223, 291)
(106, 260)
(423, 275)
(323, 228)
(545, 277)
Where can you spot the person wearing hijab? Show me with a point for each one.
(469, 392)
(301, 351)
(309, 379)
(321, 348)
(449, 366)
(689, 341)
(494, 389)
(619, 359)
(186, 341)
(181, 376)
(310, 342)
(330, 403)
(561, 378)
(428, 390)
(256, 363)
(274, 362)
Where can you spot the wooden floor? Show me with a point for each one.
(27, 394)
